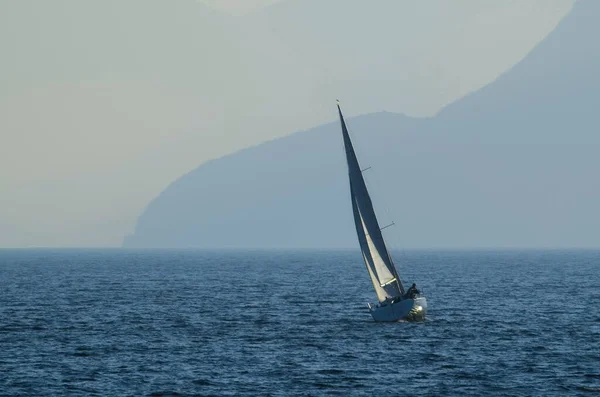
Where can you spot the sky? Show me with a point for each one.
(104, 104)
(238, 7)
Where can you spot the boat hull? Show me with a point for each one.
(406, 309)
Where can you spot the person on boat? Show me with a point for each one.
(412, 292)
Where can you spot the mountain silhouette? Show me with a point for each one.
(513, 164)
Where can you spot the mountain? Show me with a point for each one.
(514, 164)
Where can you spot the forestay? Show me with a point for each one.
(379, 264)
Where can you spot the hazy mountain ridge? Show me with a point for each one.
(492, 169)
(558, 75)
(103, 103)
(376, 66)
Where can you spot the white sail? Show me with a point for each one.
(381, 267)
(382, 294)
(375, 254)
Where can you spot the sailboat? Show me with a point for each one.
(394, 303)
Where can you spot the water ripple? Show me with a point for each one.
(169, 323)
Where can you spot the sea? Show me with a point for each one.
(102, 322)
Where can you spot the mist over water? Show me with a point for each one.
(118, 322)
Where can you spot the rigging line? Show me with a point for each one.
(385, 227)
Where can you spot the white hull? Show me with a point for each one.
(406, 309)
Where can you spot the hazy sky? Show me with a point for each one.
(238, 7)
(104, 103)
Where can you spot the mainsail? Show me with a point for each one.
(379, 263)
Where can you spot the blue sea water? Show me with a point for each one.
(279, 323)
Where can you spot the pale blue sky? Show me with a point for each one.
(238, 7)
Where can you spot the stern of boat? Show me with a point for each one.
(419, 309)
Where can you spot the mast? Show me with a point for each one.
(377, 259)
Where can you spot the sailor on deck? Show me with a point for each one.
(412, 292)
